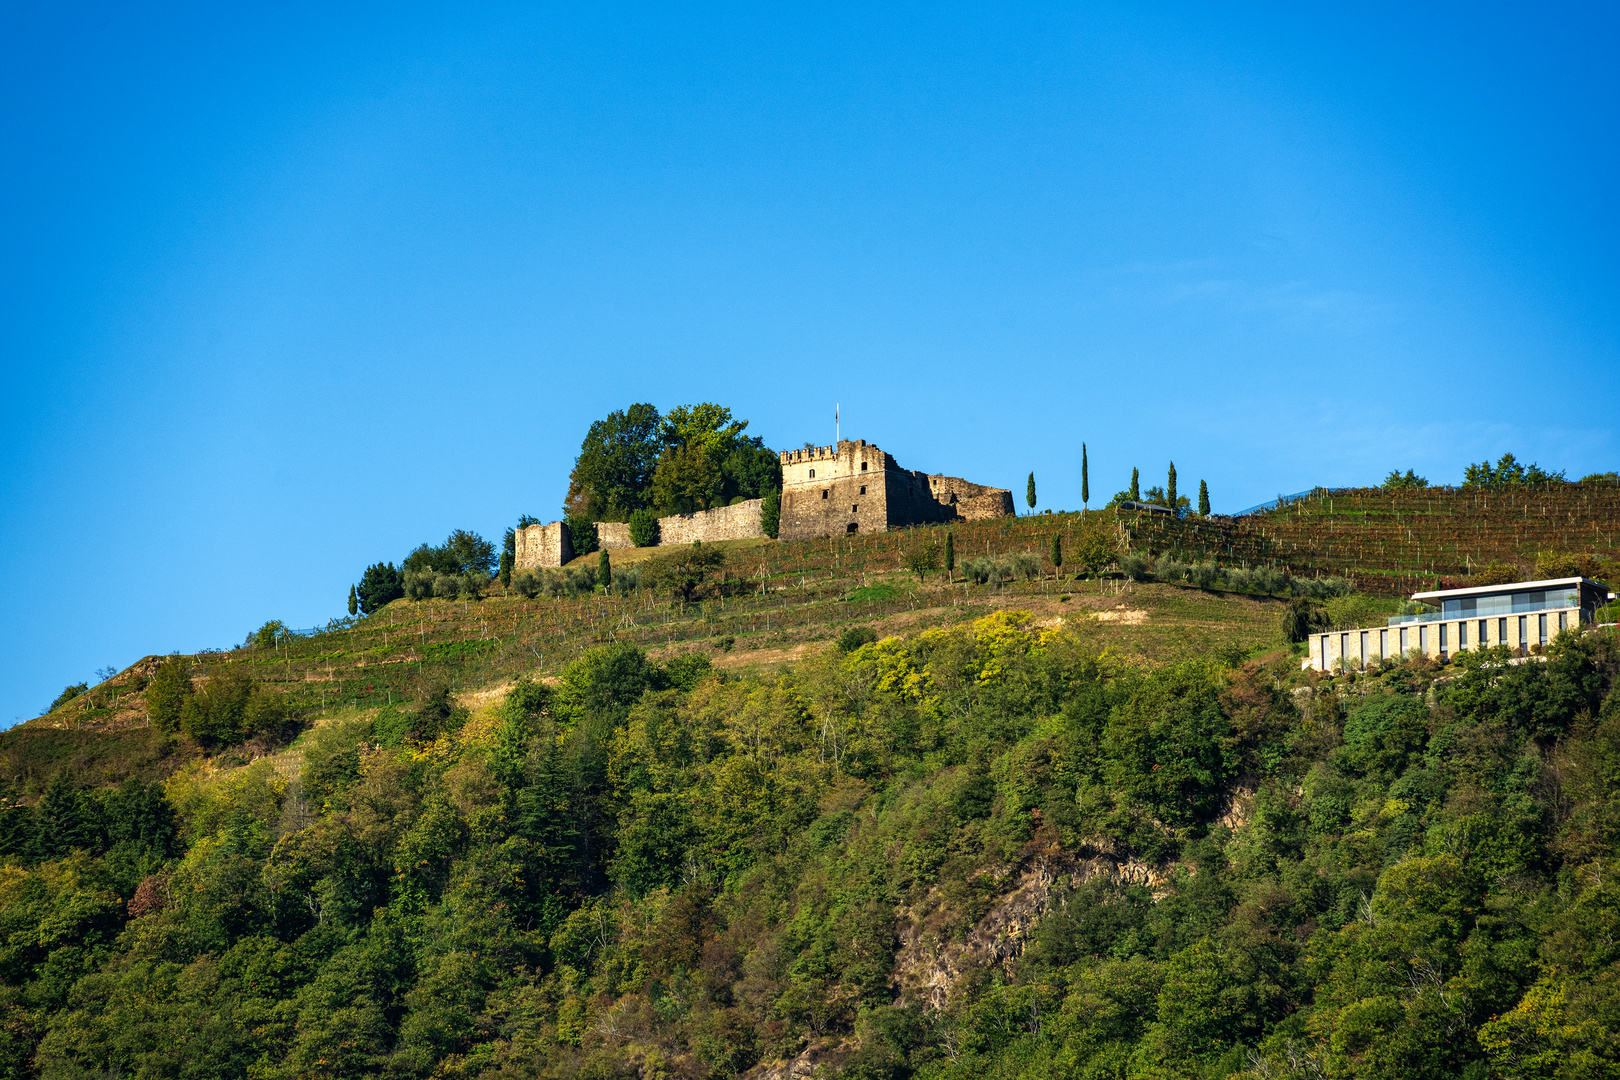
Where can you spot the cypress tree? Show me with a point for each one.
(1203, 498)
(1085, 478)
(505, 574)
(1136, 486)
(354, 602)
(604, 569)
(1057, 551)
(1029, 492)
(950, 556)
(1170, 488)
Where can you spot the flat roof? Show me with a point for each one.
(1512, 586)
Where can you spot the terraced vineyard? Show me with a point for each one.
(1400, 542)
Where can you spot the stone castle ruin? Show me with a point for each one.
(853, 487)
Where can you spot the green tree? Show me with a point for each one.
(168, 692)
(644, 528)
(1203, 498)
(504, 574)
(770, 513)
(1057, 551)
(581, 534)
(688, 479)
(1170, 488)
(685, 570)
(1411, 481)
(950, 555)
(1085, 478)
(604, 569)
(614, 469)
(1136, 485)
(1029, 491)
(922, 558)
(380, 585)
(354, 602)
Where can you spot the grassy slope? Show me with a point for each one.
(780, 597)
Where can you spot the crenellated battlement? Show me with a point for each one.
(823, 453)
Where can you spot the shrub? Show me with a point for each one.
(1169, 568)
(1025, 566)
(578, 580)
(68, 695)
(1495, 573)
(581, 534)
(270, 634)
(854, 637)
(529, 582)
(986, 570)
(167, 693)
(644, 528)
(1321, 588)
(419, 583)
(447, 586)
(1554, 564)
(1411, 481)
(1301, 617)
(770, 513)
(627, 581)
(1135, 566)
(1206, 575)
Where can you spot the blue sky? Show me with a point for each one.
(290, 289)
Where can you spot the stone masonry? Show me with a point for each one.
(855, 487)
(849, 488)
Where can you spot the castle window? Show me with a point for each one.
(853, 528)
(863, 489)
(824, 494)
(812, 474)
(863, 466)
(854, 507)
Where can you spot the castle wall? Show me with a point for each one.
(835, 490)
(856, 487)
(613, 535)
(736, 522)
(853, 487)
(542, 545)
(550, 545)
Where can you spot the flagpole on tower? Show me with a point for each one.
(838, 431)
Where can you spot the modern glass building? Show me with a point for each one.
(1523, 615)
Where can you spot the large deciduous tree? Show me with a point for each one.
(614, 469)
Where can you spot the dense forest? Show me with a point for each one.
(974, 852)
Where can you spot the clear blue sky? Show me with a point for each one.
(290, 289)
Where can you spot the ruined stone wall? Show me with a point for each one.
(542, 545)
(736, 522)
(973, 502)
(613, 535)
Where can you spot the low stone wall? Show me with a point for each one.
(736, 522)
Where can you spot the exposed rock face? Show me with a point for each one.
(928, 969)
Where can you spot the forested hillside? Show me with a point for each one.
(975, 851)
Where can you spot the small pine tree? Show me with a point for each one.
(1136, 485)
(354, 602)
(1057, 551)
(1029, 492)
(604, 569)
(1085, 478)
(950, 556)
(1170, 488)
(505, 572)
(1203, 498)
